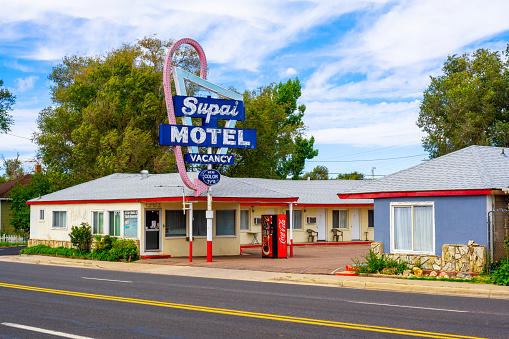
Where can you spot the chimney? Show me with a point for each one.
(38, 169)
(144, 174)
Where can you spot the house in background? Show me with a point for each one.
(149, 209)
(5, 202)
(443, 201)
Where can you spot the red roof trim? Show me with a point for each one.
(169, 199)
(413, 194)
(334, 205)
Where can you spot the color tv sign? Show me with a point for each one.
(229, 107)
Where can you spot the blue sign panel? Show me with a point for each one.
(180, 135)
(209, 177)
(198, 107)
(197, 158)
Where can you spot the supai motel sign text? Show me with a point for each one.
(207, 135)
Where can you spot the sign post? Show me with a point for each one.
(229, 107)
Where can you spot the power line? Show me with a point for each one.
(19, 136)
(409, 156)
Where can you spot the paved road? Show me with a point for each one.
(12, 250)
(112, 304)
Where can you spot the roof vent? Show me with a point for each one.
(144, 174)
(503, 151)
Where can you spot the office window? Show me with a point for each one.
(131, 224)
(225, 222)
(175, 223)
(340, 219)
(412, 227)
(297, 220)
(244, 220)
(371, 218)
(97, 222)
(59, 219)
(199, 223)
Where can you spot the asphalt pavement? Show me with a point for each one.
(262, 270)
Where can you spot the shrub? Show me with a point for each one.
(81, 237)
(123, 249)
(374, 264)
(501, 274)
(104, 244)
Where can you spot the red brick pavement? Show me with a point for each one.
(306, 259)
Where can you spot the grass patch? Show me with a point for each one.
(480, 279)
(10, 244)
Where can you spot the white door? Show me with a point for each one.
(321, 224)
(355, 222)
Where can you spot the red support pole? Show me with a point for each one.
(209, 251)
(291, 248)
(190, 251)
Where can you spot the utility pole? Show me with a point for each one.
(373, 173)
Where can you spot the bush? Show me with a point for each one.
(58, 251)
(501, 274)
(123, 249)
(81, 237)
(374, 264)
(104, 244)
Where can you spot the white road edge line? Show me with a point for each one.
(122, 281)
(404, 306)
(42, 330)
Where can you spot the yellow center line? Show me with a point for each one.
(240, 313)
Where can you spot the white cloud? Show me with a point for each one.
(25, 84)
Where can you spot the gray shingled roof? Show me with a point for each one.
(312, 191)
(131, 186)
(473, 167)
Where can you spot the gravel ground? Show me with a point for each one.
(324, 259)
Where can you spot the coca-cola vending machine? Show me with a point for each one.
(274, 236)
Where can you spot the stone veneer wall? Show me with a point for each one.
(461, 258)
(61, 243)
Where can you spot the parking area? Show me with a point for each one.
(317, 259)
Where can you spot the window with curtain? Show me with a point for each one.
(59, 219)
(97, 222)
(244, 220)
(199, 223)
(371, 218)
(340, 219)
(412, 227)
(225, 222)
(114, 223)
(175, 223)
(297, 220)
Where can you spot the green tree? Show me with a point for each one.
(107, 111)
(7, 100)
(13, 169)
(281, 147)
(318, 173)
(350, 176)
(39, 184)
(468, 104)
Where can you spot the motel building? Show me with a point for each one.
(156, 211)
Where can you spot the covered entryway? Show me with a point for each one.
(152, 229)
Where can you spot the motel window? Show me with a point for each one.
(297, 220)
(412, 227)
(59, 219)
(175, 223)
(225, 222)
(199, 223)
(97, 222)
(371, 218)
(244, 220)
(131, 224)
(340, 219)
(41, 215)
(114, 222)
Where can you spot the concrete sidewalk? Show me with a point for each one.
(371, 283)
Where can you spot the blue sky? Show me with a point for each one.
(363, 65)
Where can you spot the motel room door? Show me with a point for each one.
(321, 224)
(152, 229)
(355, 221)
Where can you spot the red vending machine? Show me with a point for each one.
(274, 236)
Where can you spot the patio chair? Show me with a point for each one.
(311, 235)
(336, 234)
